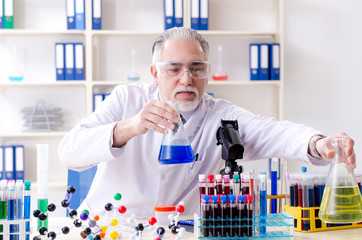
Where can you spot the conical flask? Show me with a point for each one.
(175, 147)
(341, 202)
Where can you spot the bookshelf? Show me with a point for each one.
(128, 24)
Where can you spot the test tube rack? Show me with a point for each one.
(307, 220)
(278, 226)
(20, 232)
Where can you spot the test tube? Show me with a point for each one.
(210, 185)
(19, 187)
(223, 214)
(311, 195)
(233, 215)
(11, 211)
(274, 183)
(218, 184)
(202, 187)
(296, 191)
(236, 184)
(249, 215)
(316, 192)
(214, 214)
(227, 189)
(288, 190)
(3, 201)
(305, 198)
(205, 215)
(246, 187)
(263, 201)
(241, 214)
(27, 204)
(300, 192)
(42, 180)
(251, 174)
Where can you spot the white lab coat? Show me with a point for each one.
(133, 170)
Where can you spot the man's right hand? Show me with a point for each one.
(152, 115)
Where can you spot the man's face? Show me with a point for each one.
(185, 56)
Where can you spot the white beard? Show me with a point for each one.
(186, 106)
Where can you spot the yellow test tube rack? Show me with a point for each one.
(307, 220)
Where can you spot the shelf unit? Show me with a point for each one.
(129, 24)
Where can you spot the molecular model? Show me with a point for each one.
(174, 225)
(111, 225)
(86, 231)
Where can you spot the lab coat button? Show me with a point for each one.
(163, 177)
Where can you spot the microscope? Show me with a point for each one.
(228, 137)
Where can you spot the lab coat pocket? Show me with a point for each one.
(196, 164)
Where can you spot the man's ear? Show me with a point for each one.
(154, 74)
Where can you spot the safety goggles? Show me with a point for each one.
(175, 70)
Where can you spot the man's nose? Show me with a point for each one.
(186, 78)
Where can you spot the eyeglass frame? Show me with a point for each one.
(157, 64)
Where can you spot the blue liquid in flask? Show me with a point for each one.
(176, 154)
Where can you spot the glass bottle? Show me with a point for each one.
(175, 147)
(341, 202)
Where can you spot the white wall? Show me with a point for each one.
(323, 67)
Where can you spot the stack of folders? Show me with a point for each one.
(76, 17)
(173, 10)
(69, 61)
(12, 162)
(6, 14)
(98, 98)
(264, 59)
(42, 117)
(200, 14)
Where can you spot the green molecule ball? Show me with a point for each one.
(117, 196)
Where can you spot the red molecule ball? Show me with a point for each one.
(180, 209)
(152, 221)
(122, 209)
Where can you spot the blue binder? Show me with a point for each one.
(204, 15)
(169, 14)
(9, 162)
(1, 15)
(59, 61)
(82, 182)
(274, 62)
(2, 163)
(254, 61)
(96, 14)
(79, 15)
(179, 12)
(79, 61)
(69, 61)
(70, 11)
(195, 14)
(264, 62)
(19, 162)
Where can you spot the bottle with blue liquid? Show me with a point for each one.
(175, 147)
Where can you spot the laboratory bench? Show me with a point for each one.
(55, 223)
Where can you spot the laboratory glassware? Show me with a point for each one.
(341, 202)
(220, 74)
(133, 75)
(175, 147)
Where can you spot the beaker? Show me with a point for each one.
(341, 202)
(175, 147)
